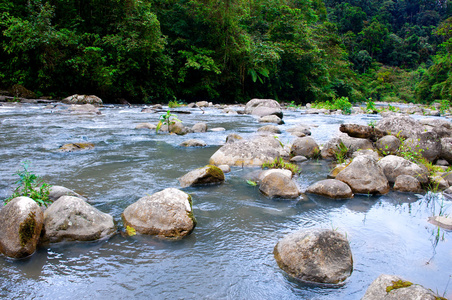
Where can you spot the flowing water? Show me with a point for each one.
(229, 255)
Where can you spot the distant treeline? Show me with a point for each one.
(154, 51)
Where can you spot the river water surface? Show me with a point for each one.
(229, 255)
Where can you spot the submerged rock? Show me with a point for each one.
(270, 129)
(364, 176)
(193, 143)
(84, 109)
(21, 221)
(278, 185)
(315, 255)
(76, 147)
(73, 219)
(271, 119)
(248, 152)
(332, 188)
(206, 175)
(167, 213)
(390, 287)
(146, 126)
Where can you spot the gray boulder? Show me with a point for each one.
(252, 152)
(402, 126)
(441, 127)
(176, 128)
(446, 149)
(300, 130)
(83, 99)
(407, 183)
(427, 143)
(233, 137)
(388, 145)
(315, 255)
(271, 119)
(394, 166)
(390, 287)
(263, 107)
(364, 176)
(205, 175)
(57, 191)
(352, 144)
(73, 219)
(199, 127)
(278, 185)
(331, 188)
(270, 129)
(193, 143)
(21, 221)
(265, 173)
(167, 213)
(305, 146)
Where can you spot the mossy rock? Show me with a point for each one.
(206, 175)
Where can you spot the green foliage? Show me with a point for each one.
(174, 104)
(279, 163)
(30, 185)
(340, 153)
(251, 182)
(370, 105)
(167, 119)
(341, 103)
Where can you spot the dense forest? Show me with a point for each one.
(225, 51)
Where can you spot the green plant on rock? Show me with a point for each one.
(30, 185)
(370, 106)
(167, 119)
(444, 106)
(341, 153)
(279, 163)
(174, 103)
(343, 104)
(398, 285)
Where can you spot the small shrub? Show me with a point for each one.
(341, 153)
(279, 163)
(167, 119)
(30, 185)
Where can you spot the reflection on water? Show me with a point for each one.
(230, 253)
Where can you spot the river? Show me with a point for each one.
(229, 255)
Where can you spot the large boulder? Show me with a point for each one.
(390, 287)
(407, 183)
(315, 255)
(73, 219)
(441, 127)
(252, 152)
(388, 145)
(265, 173)
(394, 166)
(427, 144)
(167, 213)
(364, 176)
(446, 149)
(205, 175)
(352, 144)
(402, 126)
(305, 146)
(21, 221)
(362, 131)
(331, 188)
(263, 107)
(278, 185)
(83, 99)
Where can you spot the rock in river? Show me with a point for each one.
(364, 176)
(390, 287)
(315, 255)
(206, 175)
(332, 188)
(252, 152)
(21, 221)
(167, 213)
(278, 185)
(73, 219)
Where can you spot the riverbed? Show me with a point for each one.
(229, 255)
